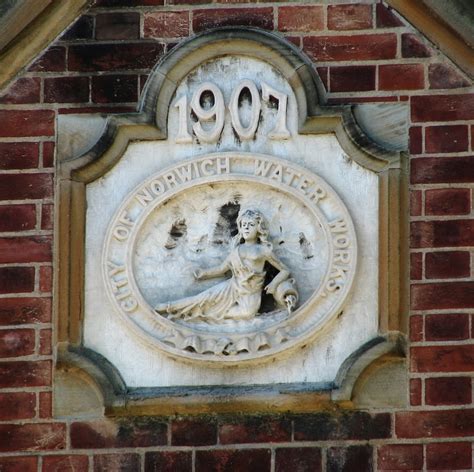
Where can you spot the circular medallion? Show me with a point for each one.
(230, 258)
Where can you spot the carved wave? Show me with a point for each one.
(227, 345)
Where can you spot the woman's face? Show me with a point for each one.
(249, 230)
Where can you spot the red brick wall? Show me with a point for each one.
(364, 54)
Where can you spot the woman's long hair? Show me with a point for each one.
(262, 229)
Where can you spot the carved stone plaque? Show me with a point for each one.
(186, 217)
(230, 240)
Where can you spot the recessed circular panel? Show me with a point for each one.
(184, 219)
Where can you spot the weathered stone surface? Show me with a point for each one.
(162, 242)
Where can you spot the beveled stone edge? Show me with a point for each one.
(119, 400)
(75, 172)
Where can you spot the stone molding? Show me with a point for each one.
(119, 400)
(149, 123)
(26, 41)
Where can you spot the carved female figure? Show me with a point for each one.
(238, 297)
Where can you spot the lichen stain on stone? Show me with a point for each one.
(177, 231)
(306, 246)
(226, 226)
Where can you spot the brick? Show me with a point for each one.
(116, 462)
(448, 201)
(385, 18)
(47, 216)
(189, 2)
(449, 456)
(66, 90)
(442, 233)
(124, 432)
(115, 88)
(352, 78)
(45, 279)
(215, 17)
(17, 406)
(17, 217)
(48, 154)
(301, 19)
(166, 24)
(24, 90)
(16, 123)
(23, 186)
(442, 296)
(17, 342)
(400, 457)
(26, 249)
(416, 140)
(193, 432)
(359, 47)
(110, 57)
(442, 107)
(416, 266)
(447, 264)
(296, 40)
(447, 327)
(45, 344)
(16, 311)
(19, 155)
(412, 46)
(83, 28)
(416, 328)
(415, 202)
(323, 73)
(300, 459)
(65, 464)
(124, 25)
(415, 392)
(434, 424)
(32, 437)
(433, 170)
(128, 3)
(448, 391)
(401, 77)
(441, 76)
(25, 374)
(142, 82)
(45, 404)
(349, 459)
(457, 358)
(168, 461)
(349, 17)
(450, 138)
(341, 426)
(255, 429)
(350, 100)
(53, 60)
(233, 460)
(98, 109)
(17, 279)
(17, 463)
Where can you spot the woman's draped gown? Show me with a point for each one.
(237, 298)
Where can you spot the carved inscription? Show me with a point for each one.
(120, 287)
(335, 228)
(342, 255)
(208, 109)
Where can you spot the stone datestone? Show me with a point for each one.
(178, 289)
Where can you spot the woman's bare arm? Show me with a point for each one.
(217, 271)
